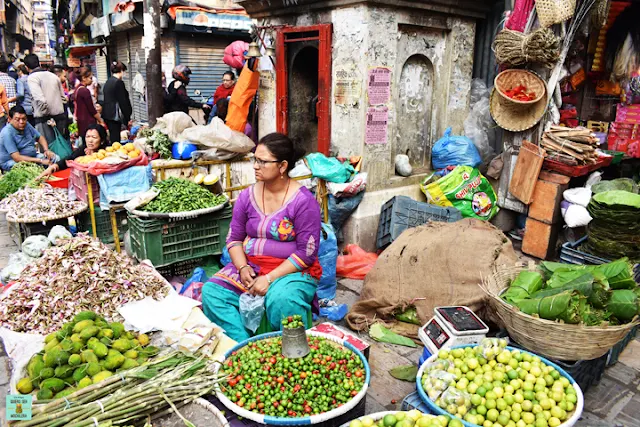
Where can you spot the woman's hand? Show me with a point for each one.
(51, 169)
(260, 286)
(247, 276)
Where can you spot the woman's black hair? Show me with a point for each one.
(102, 133)
(283, 148)
(223, 109)
(117, 67)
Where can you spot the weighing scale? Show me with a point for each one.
(450, 327)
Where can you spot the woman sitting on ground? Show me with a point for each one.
(95, 138)
(273, 243)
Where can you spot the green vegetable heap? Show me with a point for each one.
(292, 322)
(492, 385)
(615, 229)
(181, 195)
(262, 380)
(23, 173)
(590, 294)
(159, 141)
(84, 351)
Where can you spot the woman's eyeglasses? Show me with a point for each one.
(262, 163)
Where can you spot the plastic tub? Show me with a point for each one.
(62, 179)
(577, 413)
(289, 421)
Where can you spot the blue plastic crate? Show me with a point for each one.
(571, 254)
(413, 401)
(425, 355)
(402, 212)
(617, 349)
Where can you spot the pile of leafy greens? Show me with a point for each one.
(588, 294)
(615, 229)
(624, 184)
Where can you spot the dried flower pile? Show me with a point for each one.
(39, 204)
(79, 274)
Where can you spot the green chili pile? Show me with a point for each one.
(20, 175)
(181, 195)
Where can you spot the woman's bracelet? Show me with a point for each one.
(243, 267)
(268, 278)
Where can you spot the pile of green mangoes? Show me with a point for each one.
(83, 352)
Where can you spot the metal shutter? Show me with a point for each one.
(129, 52)
(102, 69)
(203, 53)
(137, 65)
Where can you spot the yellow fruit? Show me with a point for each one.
(211, 179)
(199, 178)
(116, 145)
(129, 146)
(132, 155)
(25, 386)
(110, 149)
(103, 151)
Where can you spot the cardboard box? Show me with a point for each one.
(540, 239)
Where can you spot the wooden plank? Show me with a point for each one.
(384, 388)
(553, 177)
(526, 171)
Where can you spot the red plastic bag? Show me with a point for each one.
(234, 54)
(355, 263)
(98, 168)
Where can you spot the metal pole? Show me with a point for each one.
(153, 56)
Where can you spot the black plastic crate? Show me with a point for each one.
(180, 269)
(402, 212)
(617, 349)
(19, 231)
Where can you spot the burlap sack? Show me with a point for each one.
(437, 264)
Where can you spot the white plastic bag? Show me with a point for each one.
(34, 246)
(58, 232)
(576, 216)
(173, 124)
(251, 310)
(218, 135)
(478, 124)
(578, 196)
(18, 261)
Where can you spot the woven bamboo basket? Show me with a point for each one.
(554, 11)
(554, 340)
(508, 79)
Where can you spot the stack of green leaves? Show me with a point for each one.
(624, 184)
(615, 229)
(181, 195)
(588, 294)
(22, 174)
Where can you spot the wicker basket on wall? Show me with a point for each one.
(554, 11)
(551, 339)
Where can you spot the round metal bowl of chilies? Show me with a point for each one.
(267, 387)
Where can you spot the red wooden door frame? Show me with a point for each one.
(323, 106)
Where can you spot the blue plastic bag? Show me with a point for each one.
(327, 257)
(341, 208)
(454, 151)
(123, 185)
(225, 258)
(329, 168)
(199, 275)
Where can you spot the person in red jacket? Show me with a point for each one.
(226, 88)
